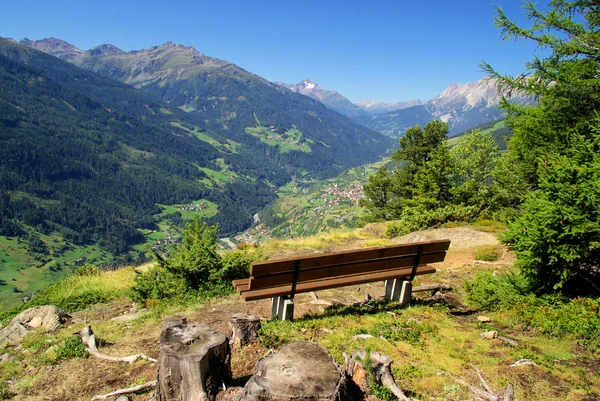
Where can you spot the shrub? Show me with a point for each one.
(194, 270)
(157, 283)
(495, 292)
(489, 253)
(552, 315)
(87, 269)
(70, 348)
(415, 219)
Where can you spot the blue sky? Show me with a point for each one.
(383, 50)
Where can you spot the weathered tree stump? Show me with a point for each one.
(174, 321)
(243, 329)
(194, 363)
(379, 371)
(300, 371)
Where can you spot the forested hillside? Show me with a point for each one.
(229, 100)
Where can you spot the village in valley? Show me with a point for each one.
(299, 204)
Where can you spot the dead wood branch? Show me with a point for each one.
(509, 393)
(137, 389)
(509, 341)
(434, 288)
(524, 362)
(89, 340)
(488, 395)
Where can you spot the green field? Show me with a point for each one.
(292, 139)
(23, 272)
(199, 134)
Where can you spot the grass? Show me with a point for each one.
(220, 177)
(487, 253)
(23, 273)
(198, 134)
(426, 342)
(288, 141)
(76, 292)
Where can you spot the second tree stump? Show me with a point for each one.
(243, 329)
(193, 363)
(300, 371)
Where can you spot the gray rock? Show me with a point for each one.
(47, 317)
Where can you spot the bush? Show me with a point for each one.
(236, 265)
(552, 315)
(415, 219)
(87, 270)
(157, 283)
(70, 348)
(495, 292)
(489, 253)
(195, 269)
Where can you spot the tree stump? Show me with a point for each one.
(174, 321)
(243, 329)
(300, 371)
(194, 363)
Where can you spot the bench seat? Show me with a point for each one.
(287, 277)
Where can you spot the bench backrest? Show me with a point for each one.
(296, 272)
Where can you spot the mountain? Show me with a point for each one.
(92, 158)
(286, 127)
(461, 106)
(376, 107)
(332, 99)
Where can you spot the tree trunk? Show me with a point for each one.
(243, 329)
(194, 363)
(174, 321)
(300, 371)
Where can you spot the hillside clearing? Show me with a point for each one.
(425, 341)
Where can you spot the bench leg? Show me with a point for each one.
(392, 290)
(405, 293)
(282, 308)
(398, 290)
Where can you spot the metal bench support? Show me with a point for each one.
(282, 308)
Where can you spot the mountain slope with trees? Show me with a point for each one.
(231, 100)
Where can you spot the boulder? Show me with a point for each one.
(47, 318)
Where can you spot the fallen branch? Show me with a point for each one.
(380, 367)
(475, 390)
(509, 341)
(488, 393)
(434, 288)
(524, 362)
(89, 340)
(509, 393)
(484, 262)
(135, 389)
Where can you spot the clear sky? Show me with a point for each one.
(385, 50)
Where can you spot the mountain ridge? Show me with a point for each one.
(462, 106)
(240, 105)
(332, 99)
(377, 107)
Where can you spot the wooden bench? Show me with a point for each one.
(397, 265)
